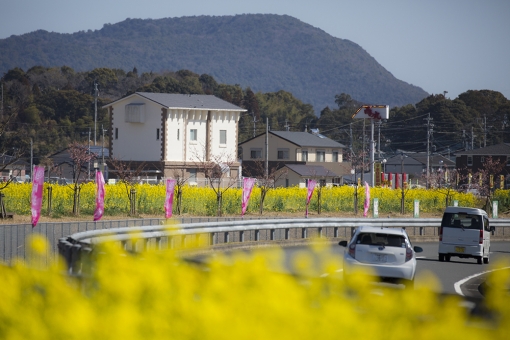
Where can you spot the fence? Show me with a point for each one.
(217, 231)
(78, 246)
(13, 236)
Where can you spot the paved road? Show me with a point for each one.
(459, 276)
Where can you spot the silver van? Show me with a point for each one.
(465, 233)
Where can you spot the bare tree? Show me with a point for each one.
(80, 156)
(128, 173)
(13, 145)
(321, 183)
(265, 183)
(180, 181)
(445, 183)
(483, 179)
(216, 170)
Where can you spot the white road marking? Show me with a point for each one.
(461, 282)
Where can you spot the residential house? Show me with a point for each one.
(63, 170)
(13, 168)
(472, 161)
(315, 153)
(414, 165)
(300, 174)
(174, 132)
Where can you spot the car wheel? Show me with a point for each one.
(479, 260)
(447, 258)
(441, 257)
(486, 260)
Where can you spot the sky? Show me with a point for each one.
(438, 45)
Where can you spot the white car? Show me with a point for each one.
(387, 252)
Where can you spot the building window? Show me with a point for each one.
(320, 156)
(470, 160)
(134, 113)
(283, 153)
(157, 134)
(335, 156)
(116, 133)
(178, 134)
(256, 153)
(193, 175)
(223, 136)
(482, 159)
(304, 155)
(193, 135)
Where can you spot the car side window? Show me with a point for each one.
(486, 224)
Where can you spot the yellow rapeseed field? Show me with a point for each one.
(202, 201)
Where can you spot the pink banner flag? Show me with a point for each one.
(311, 186)
(247, 188)
(367, 199)
(100, 191)
(37, 193)
(169, 200)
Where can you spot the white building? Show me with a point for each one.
(170, 132)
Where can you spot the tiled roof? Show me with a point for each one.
(305, 139)
(433, 159)
(311, 170)
(492, 150)
(188, 101)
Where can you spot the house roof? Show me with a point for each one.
(304, 139)
(185, 101)
(11, 160)
(421, 158)
(492, 150)
(63, 155)
(311, 170)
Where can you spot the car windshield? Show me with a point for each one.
(388, 240)
(462, 220)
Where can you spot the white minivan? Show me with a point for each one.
(465, 233)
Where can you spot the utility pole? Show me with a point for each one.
(484, 131)
(95, 111)
(102, 151)
(363, 155)
(2, 105)
(88, 175)
(379, 123)
(429, 132)
(267, 150)
(472, 139)
(31, 159)
(254, 126)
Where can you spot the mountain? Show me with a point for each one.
(265, 52)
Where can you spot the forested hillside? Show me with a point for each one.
(265, 52)
(51, 107)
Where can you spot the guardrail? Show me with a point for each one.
(79, 246)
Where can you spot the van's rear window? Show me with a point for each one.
(462, 220)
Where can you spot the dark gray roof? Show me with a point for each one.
(492, 150)
(188, 101)
(305, 139)
(311, 170)
(433, 159)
